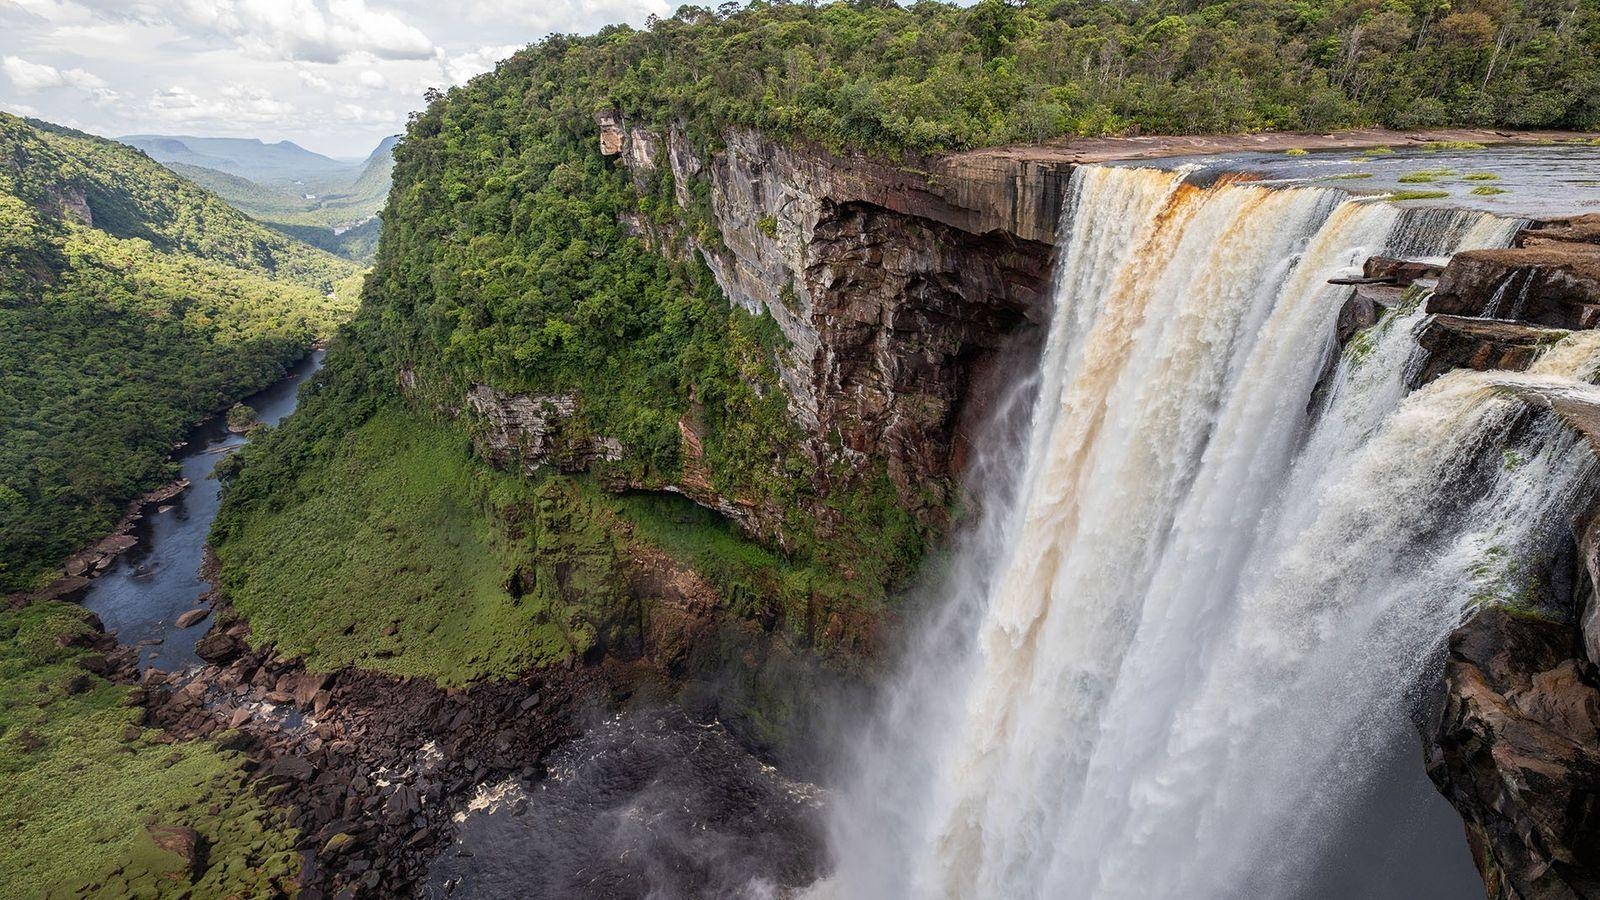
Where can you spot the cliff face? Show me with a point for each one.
(887, 292)
(1516, 749)
(891, 286)
(1514, 743)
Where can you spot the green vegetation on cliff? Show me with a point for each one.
(395, 553)
(132, 304)
(932, 76)
(394, 548)
(515, 256)
(80, 781)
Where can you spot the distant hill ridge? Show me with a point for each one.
(248, 158)
(329, 203)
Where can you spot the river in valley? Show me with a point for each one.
(142, 595)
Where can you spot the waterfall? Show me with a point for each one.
(1199, 609)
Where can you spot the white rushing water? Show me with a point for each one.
(1189, 624)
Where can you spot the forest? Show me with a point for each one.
(132, 304)
(930, 77)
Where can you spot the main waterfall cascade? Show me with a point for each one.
(1178, 639)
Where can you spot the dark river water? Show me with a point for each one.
(150, 586)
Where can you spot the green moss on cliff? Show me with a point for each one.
(80, 781)
(398, 550)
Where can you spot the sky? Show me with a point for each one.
(334, 76)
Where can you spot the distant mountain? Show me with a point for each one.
(281, 164)
(328, 203)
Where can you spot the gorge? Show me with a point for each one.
(827, 451)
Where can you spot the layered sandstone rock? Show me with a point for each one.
(528, 432)
(1550, 283)
(891, 284)
(1516, 748)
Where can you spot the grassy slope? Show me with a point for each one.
(114, 339)
(397, 550)
(392, 530)
(79, 781)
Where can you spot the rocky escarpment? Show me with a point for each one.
(1514, 739)
(891, 285)
(1494, 309)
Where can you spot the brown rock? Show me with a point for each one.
(611, 135)
(192, 617)
(218, 647)
(1401, 272)
(306, 686)
(1462, 342)
(1578, 229)
(1552, 284)
(180, 842)
(1514, 748)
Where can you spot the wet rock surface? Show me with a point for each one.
(646, 804)
(1463, 342)
(1516, 748)
(1554, 284)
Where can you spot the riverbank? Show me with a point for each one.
(371, 767)
(99, 557)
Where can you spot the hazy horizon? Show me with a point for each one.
(333, 76)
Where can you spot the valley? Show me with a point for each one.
(831, 451)
(327, 203)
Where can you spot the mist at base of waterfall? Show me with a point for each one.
(647, 804)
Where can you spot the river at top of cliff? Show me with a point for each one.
(1514, 180)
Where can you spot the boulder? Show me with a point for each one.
(305, 687)
(178, 851)
(1463, 342)
(218, 647)
(192, 617)
(1575, 230)
(1365, 306)
(1552, 284)
(1401, 272)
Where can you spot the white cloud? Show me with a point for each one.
(233, 103)
(337, 75)
(564, 15)
(31, 76)
(307, 30)
(54, 11)
(461, 67)
(352, 112)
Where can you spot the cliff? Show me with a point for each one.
(1514, 738)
